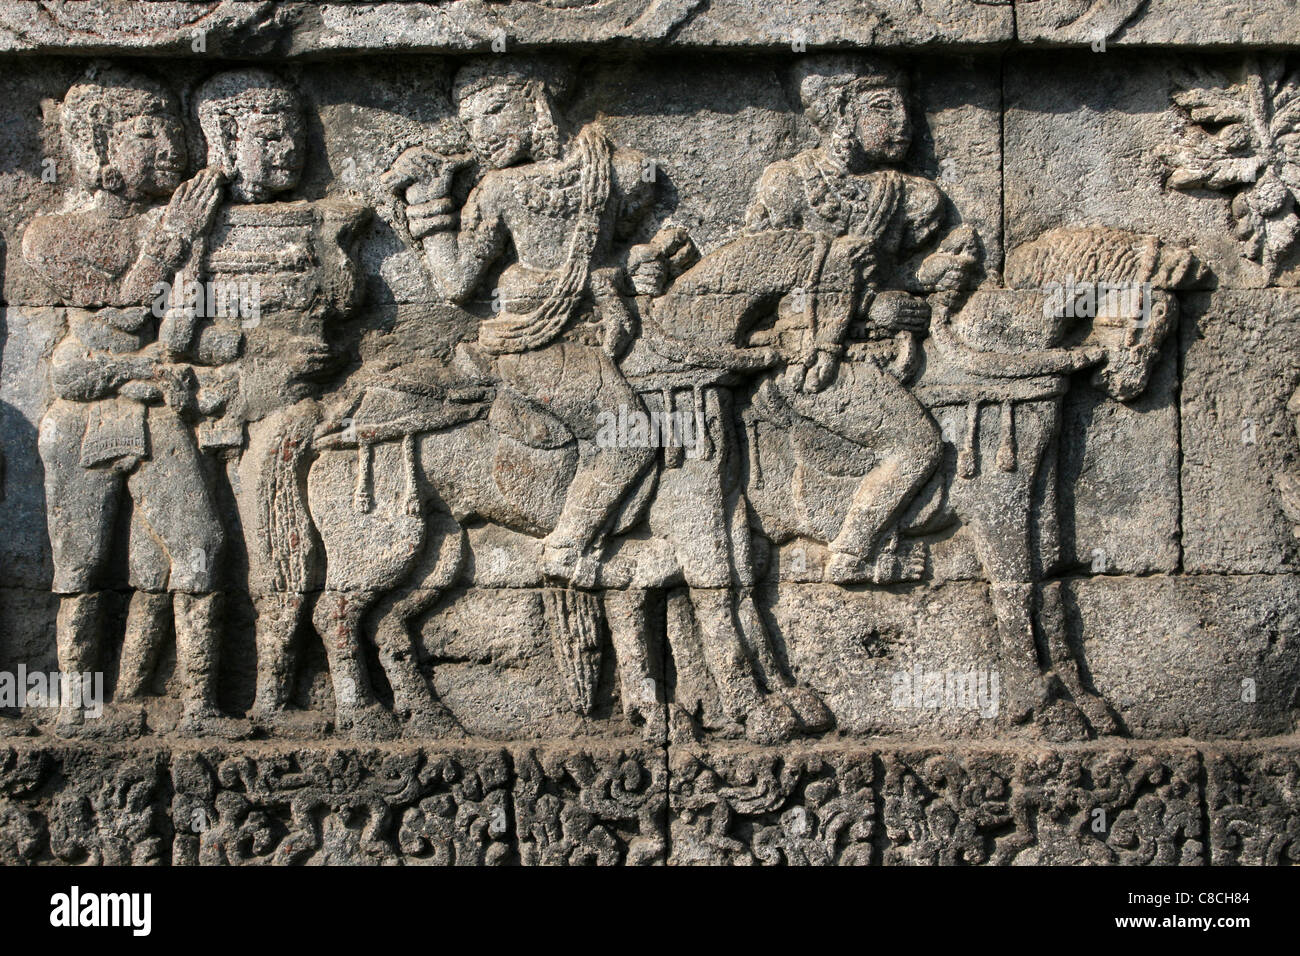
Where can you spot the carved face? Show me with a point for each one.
(875, 120)
(266, 156)
(500, 121)
(148, 151)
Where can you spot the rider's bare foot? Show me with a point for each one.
(890, 567)
(569, 564)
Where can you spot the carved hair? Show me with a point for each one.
(530, 75)
(106, 96)
(223, 99)
(825, 82)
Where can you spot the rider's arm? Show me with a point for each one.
(460, 250)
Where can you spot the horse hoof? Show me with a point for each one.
(372, 722)
(771, 721)
(1061, 721)
(1098, 714)
(813, 714)
(209, 722)
(437, 723)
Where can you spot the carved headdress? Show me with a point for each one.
(824, 82)
(107, 95)
(227, 97)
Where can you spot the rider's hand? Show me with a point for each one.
(420, 174)
(821, 372)
(647, 269)
(899, 312)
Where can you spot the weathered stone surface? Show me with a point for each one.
(631, 432)
(1104, 23)
(1239, 442)
(311, 28)
(1196, 656)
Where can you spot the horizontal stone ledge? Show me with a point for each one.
(1101, 24)
(567, 802)
(303, 29)
(292, 29)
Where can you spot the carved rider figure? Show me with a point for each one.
(292, 259)
(559, 203)
(847, 187)
(120, 427)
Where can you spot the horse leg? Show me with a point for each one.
(814, 716)
(337, 618)
(767, 718)
(1065, 664)
(1026, 687)
(412, 696)
(278, 616)
(627, 613)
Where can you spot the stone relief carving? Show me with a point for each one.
(818, 360)
(1240, 140)
(645, 452)
(121, 426)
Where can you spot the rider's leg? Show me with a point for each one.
(579, 384)
(869, 406)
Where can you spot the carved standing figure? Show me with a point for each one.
(120, 428)
(293, 259)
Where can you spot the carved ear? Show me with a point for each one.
(228, 129)
(98, 120)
